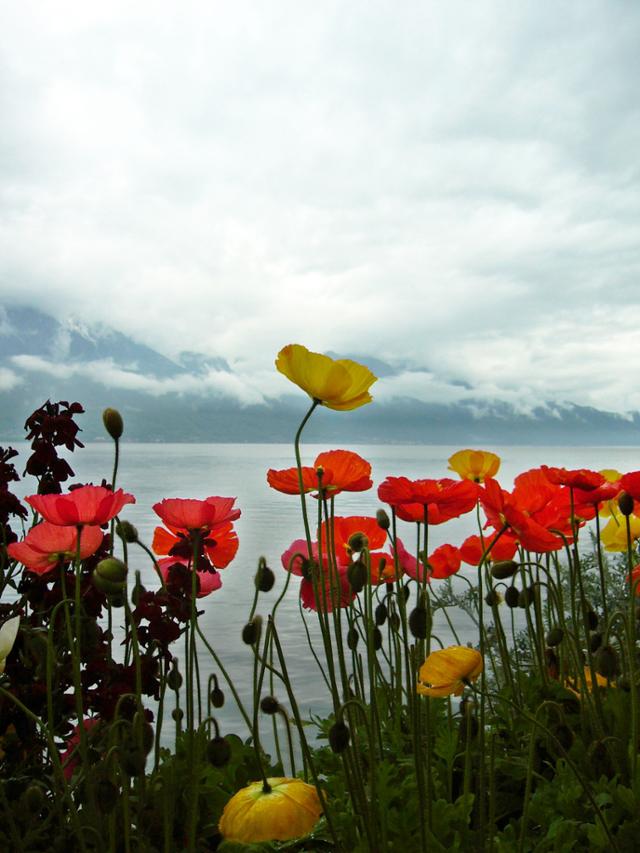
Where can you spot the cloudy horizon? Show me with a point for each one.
(449, 187)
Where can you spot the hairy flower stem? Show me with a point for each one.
(296, 444)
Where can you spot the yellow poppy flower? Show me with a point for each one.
(342, 385)
(289, 810)
(609, 508)
(614, 534)
(446, 671)
(574, 684)
(474, 464)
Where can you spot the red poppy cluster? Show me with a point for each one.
(542, 513)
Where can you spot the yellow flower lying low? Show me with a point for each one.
(446, 671)
(614, 534)
(338, 384)
(289, 810)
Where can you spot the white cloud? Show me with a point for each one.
(449, 186)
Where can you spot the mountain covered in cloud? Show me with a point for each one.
(194, 397)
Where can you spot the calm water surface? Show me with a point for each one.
(271, 521)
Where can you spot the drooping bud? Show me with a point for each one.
(493, 598)
(358, 541)
(595, 642)
(526, 597)
(592, 619)
(339, 736)
(357, 575)
(606, 661)
(394, 621)
(503, 569)
(383, 519)
(265, 578)
(381, 614)
(376, 637)
(177, 715)
(34, 798)
(126, 531)
(106, 795)
(352, 638)
(217, 697)
(625, 503)
(113, 423)
(269, 705)
(512, 596)
(555, 636)
(418, 622)
(110, 575)
(218, 752)
(252, 631)
(174, 679)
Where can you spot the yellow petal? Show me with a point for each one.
(445, 671)
(474, 465)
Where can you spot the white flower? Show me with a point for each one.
(8, 634)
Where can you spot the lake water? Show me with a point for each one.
(271, 521)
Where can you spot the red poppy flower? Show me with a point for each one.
(342, 471)
(208, 582)
(343, 593)
(69, 758)
(630, 483)
(191, 514)
(501, 509)
(386, 572)
(47, 545)
(443, 562)
(344, 528)
(443, 499)
(473, 548)
(580, 478)
(220, 545)
(85, 505)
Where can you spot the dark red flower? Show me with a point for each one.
(48, 545)
(208, 581)
(342, 471)
(580, 478)
(85, 505)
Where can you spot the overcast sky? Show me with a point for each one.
(452, 187)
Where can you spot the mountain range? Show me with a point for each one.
(42, 358)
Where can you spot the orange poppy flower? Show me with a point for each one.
(580, 478)
(501, 509)
(444, 562)
(443, 499)
(47, 545)
(342, 471)
(191, 514)
(344, 528)
(220, 545)
(93, 505)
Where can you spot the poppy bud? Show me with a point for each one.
(606, 661)
(526, 597)
(352, 638)
(503, 569)
(625, 503)
(265, 578)
(418, 622)
(33, 798)
(357, 541)
(112, 569)
(383, 519)
(562, 735)
(600, 760)
(406, 591)
(381, 614)
(269, 705)
(133, 760)
(382, 565)
(555, 636)
(493, 598)
(394, 621)
(174, 679)
(512, 596)
(144, 731)
(113, 423)
(136, 593)
(357, 575)
(339, 736)
(376, 638)
(595, 642)
(217, 697)
(218, 752)
(177, 714)
(106, 795)
(592, 620)
(551, 659)
(127, 531)
(252, 631)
